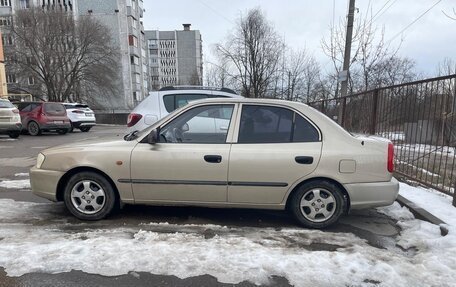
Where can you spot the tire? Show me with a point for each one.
(33, 129)
(89, 196)
(62, 132)
(318, 204)
(14, 135)
(85, 129)
(71, 127)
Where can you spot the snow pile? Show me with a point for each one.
(48, 243)
(21, 174)
(15, 184)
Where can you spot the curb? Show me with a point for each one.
(422, 214)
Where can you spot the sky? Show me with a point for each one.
(303, 23)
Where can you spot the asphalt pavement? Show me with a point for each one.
(17, 156)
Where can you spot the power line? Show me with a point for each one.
(216, 12)
(414, 21)
(380, 15)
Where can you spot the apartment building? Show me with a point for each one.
(175, 57)
(123, 18)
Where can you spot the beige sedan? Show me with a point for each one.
(232, 153)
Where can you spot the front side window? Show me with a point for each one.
(267, 124)
(206, 124)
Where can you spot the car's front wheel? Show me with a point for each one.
(318, 204)
(89, 196)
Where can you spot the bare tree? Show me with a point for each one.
(369, 52)
(66, 57)
(254, 50)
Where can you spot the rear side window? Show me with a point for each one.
(6, 104)
(54, 108)
(173, 102)
(265, 124)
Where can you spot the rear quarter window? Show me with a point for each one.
(54, 108)
(6, 104)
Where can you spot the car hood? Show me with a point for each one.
(93, 144)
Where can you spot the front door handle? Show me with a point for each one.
(304, 159)
(213, 158)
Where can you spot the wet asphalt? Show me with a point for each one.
(17, 156)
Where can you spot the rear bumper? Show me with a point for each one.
(10, 127)
(44, 182)
(84, 124)
(365, 195)
(52, 126)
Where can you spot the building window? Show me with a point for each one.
(137, 78)
(25, 4)
(11, 78)
(5, 21)
(135, 97)
(5, 3)
(133, 41)
(134, 60)
(134, 23)
(7, 40)
(31, 80)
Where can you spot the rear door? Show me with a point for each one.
(275, 147)
(55, 112)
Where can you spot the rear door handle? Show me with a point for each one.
(304, 159)
(213, 158)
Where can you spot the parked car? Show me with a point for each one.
(40, 117)
(10, 121)
(160, 103)
(81, 116)
(267, 154)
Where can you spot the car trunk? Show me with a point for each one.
(6, 111)
(55, 112)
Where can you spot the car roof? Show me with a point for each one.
(249, 100)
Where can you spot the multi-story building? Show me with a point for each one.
(175, 57)
(3, 86)
(123, 18)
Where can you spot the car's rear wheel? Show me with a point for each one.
(89, 196)
(85, 129)
(71, 127)
(318, 204)
(33, 129)
(14, 135)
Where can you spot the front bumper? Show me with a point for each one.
(44, 182)
(374, 194)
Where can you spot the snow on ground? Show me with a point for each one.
(40, 238)
(21, 174)
(437, 203)
(15, 184)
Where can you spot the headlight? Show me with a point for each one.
(39, 160)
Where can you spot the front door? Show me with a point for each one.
(190, 161)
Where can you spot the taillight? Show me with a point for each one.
(16, 111)
(390, 157)
(78, 112)
(133, 119)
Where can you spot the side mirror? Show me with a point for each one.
(185, 128)
(152, 138)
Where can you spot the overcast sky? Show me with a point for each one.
(303, 23)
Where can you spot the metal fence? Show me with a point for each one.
(418, 117)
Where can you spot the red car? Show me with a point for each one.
(38, 117)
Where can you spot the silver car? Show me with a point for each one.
(10, 120)
(232, 153)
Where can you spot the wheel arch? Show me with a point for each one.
(333, 181)
(64, 179)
